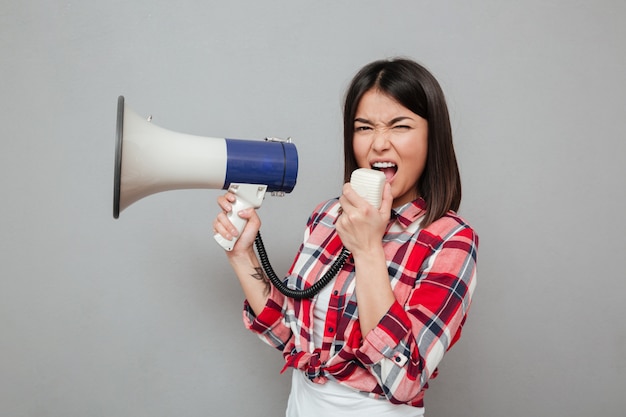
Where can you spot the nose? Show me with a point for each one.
(380, 140)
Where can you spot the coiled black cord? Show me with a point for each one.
(307, 292)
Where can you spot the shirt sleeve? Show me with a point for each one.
(405, 348)
(269, 325)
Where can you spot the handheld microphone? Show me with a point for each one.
(369, 184)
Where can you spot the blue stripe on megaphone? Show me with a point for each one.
(274, 164)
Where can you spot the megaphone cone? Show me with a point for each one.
(150, 159)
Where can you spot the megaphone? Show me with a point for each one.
(150, 159)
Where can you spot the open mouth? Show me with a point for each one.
(387, 168)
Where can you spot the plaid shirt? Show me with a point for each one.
(432, 272)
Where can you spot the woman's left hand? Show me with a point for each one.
(361, 226)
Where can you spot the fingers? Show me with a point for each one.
(353, 210)
(226, 202)
(351, 200)
(222, 224)
(357, 214)
(226, 220)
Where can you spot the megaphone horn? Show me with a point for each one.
(150, 159)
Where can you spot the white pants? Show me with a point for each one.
(308, 399)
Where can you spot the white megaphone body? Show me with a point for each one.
(150, 159)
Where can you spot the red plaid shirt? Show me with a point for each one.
(433, 274)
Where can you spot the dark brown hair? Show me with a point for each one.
(413, 86)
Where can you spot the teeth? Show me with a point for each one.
(383, 165)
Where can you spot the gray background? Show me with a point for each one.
(141, 317)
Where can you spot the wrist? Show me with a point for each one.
(243, 257)
(373, 253)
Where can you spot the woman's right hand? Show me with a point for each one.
(242, 257)
(223, 226)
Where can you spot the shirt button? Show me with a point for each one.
(398, 359)
(330, 330)
(336, 292)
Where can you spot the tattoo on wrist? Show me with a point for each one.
(260, 275)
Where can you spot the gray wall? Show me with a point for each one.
(141, 317)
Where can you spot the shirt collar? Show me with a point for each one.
(407, 213)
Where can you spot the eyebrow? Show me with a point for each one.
(390, 123)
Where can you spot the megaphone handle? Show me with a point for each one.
(247, 196)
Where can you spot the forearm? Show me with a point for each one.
(254, 282)
(373, 289)
(407, 345)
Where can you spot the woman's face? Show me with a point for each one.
(392, 139)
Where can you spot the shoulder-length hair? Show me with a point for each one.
(413, 86)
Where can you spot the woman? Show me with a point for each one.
(372, 338)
